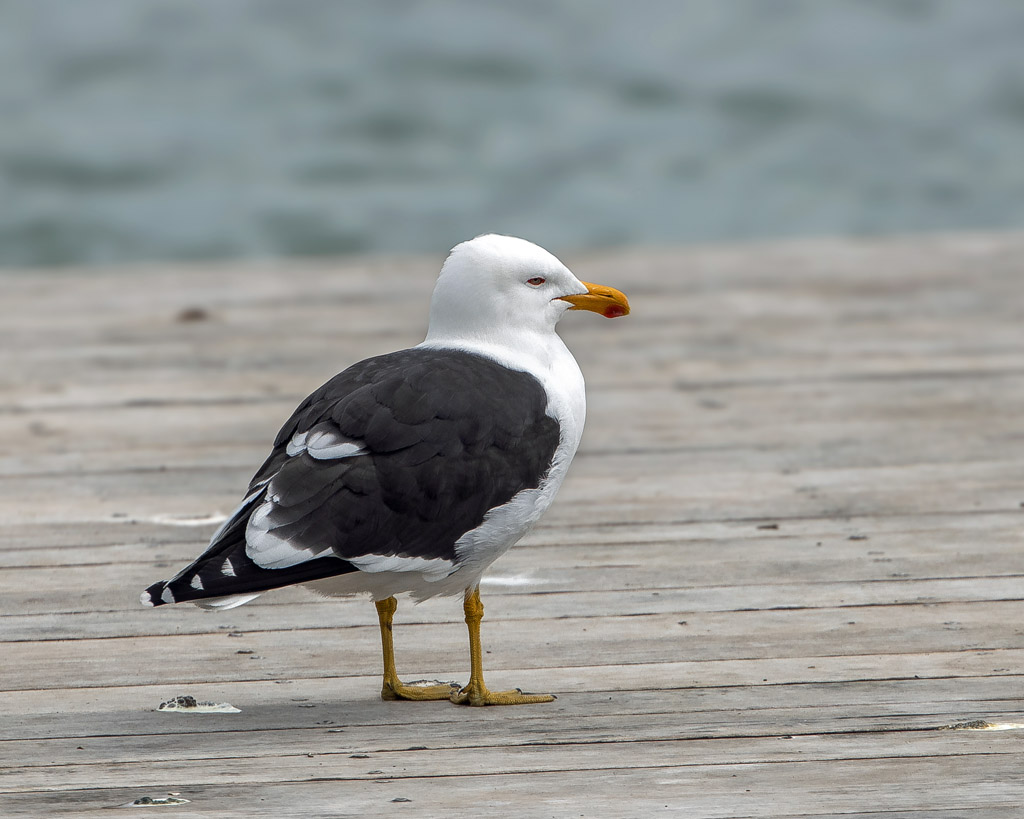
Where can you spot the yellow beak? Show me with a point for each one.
(607, 301)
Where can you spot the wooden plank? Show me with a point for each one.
(95, 615)
(872, 640)
(264, 763)
(215, 430)
(705, 790)
(647, 487)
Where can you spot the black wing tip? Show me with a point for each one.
(189, 585)
(156, 595)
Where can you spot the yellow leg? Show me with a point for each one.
(394, 688)
(476, 692)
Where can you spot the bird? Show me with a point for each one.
(411, 472)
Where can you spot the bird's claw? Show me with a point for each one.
(480, 695)
(419, 690)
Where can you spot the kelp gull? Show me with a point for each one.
(413, 471)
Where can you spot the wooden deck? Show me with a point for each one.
(788, 555)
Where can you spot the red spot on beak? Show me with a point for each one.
(614, 311)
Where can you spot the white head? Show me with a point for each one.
(499, 289)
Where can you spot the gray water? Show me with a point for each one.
(198, 129)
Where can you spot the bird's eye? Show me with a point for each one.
(536, 281)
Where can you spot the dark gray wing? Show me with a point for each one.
(399, 455)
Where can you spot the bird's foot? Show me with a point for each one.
(419, 690)
(480, 695)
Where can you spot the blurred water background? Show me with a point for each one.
(136, 130)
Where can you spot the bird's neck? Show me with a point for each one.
(533, 352)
